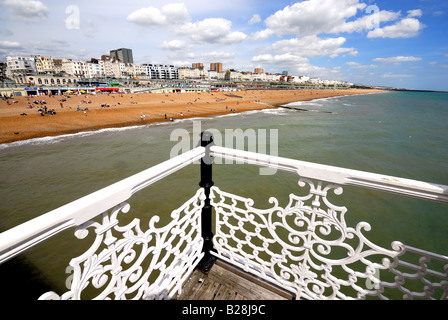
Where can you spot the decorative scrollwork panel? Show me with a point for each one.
(126, 262)
(307, 247)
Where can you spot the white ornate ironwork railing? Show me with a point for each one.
(113, 265)
(306, 247)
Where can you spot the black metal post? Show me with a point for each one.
(206, 182)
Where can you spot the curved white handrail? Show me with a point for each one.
(30, 233)
(408, 187)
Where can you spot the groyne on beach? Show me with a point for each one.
(24, 118)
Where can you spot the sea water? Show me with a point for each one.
(403, 134)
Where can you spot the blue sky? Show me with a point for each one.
(400, 43)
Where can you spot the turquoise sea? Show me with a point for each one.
(403, 134)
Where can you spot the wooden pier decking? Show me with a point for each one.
(225, 282)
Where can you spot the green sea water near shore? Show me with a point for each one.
(402, 134)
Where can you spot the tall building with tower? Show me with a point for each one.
(123, 55)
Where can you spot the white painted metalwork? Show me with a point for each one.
(113, 265)
(341, 176)
(307, 247)
(24, 236)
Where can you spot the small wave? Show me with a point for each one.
(48, 140)
(320, 101)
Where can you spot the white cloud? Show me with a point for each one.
(406, 28)
(173, 45)
(176, 16)
(366, 22)
(311, 46)
(397, 59)
(358, 65)
(313, 16)
(9, 44)
(393, 75)
(27, 10)
(279, 59)
(212, 30)
(169, 14)
(255, 19)
(262, 35)
(414, 13)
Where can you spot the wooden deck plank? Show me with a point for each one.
(223, 284)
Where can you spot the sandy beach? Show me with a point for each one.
(19, 122)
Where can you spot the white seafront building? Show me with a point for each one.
(160, 71)
(17, 67)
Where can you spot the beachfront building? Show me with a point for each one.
(232, 75)
(44, 65)
(261, 77)
(221, 76)
(198, 65)
(2, 71)
(123, 55)
(217, 67)
(76, 68)
(128, 70)
(139, 71)
(302, 79)
(315, 81)
(57, 65)
(212, 75)
(119, 69)
(19, 66)
(185, 73)
(105, 66)
(246, 76)
(93, 70)
(161, 71)
(189, 73)
(40, 80)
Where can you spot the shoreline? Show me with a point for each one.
(128, 110)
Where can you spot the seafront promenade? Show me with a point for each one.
(26, 117)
